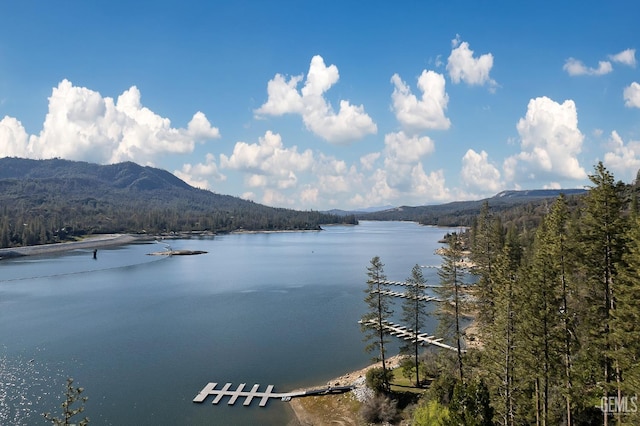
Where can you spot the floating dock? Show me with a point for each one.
(407, 296)
(250, 395)
(408, 334)
(407, 284)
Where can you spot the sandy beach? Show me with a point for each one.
(88, 243)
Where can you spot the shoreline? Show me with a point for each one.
(245, 231)
(91, 242)
(105, 240)
(336, 407)
(303, 416)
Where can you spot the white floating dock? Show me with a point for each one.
(408, 334)
(210, 389)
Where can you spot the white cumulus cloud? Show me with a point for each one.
(408, 184)
(552, 185)
(269, 161)
(14, 139)
(309, 196)
(426, 113)
(367, 161)
(428, 187)
(623, 159)
(400, 148)
(478, 174)
(334, 176)
(403, 176)
(81, 124)
(574, 67)
(283, 97)
(626, 57)
(350, 123)
(379, 191)
(462, 66)
(550, 143)
(199, 175)
(631, 95)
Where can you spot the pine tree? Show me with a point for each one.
(625, 319)
(559, 252)
(450, 293)
(379, 312)
(487, 240)
(72, 395)
(602, 243)
(470, 405)
(414, 311)
(501, 339)
(548, 328)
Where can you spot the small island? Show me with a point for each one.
(177, 253)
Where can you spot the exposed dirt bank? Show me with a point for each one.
(89, 243)
(335, 409)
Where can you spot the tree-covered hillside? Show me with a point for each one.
(513, 205)
(44, 201)
(556, 314)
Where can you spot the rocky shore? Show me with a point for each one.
(337, 409)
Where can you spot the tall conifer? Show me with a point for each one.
(379, 311)
(625, 320)
(548, 319)
(602, 242)
(558, 243)
(501, 340)
(450, 292)
(414, 311)
(486, 242)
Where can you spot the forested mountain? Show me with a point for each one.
(49, 200)
(527, 206)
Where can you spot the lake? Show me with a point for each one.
(144, 334)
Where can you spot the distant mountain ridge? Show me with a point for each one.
(463, 212)
(122, 175)
(538, 193)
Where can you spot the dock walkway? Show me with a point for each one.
(406, 284)
(408, 334)
(407, 296)
(239, 392)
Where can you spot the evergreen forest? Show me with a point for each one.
(48, 201)
(554, 334)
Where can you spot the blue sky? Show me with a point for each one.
(333, 104)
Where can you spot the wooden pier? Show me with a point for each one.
(401, 331)
(408, 334)
(406, 284)
(407, 296)
(249, 396)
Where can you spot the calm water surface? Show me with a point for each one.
(144, 334)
